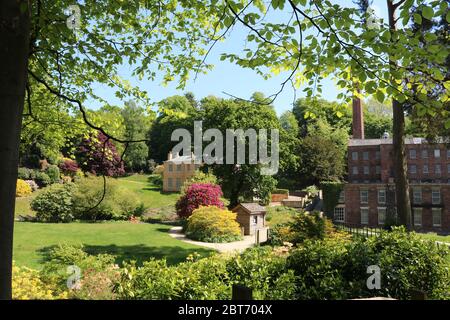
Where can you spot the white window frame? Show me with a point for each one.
(379, 211)
(355, 170)
(341, 198)
(339, 215)
(170, 182)
(448, 167)
(366, 210)
(377, 155)
(437, 153)
(433, 193)
(170, 167)
(412, 153)
(361, 196)
(354, 155)
(379, 192)
(411, 169)
(419, 191)
(178, 166)
(436, 212)
(425, 171)
(416, 212)
(378, 169)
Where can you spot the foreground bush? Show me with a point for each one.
(55, 203)
(198, 177)
(98, 273)
(212, 224)
(196, 195)
(28, 285)
(333, 269)
(92, 202)
(22, 188)
(208, 278)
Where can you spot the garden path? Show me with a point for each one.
(249, 241)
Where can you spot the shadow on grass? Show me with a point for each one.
(139, 252)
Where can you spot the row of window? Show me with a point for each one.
(412, 169)
(412, 154)
(426, 169)
(424, 153)
(435, 196)
(417, 196)
(339, 215)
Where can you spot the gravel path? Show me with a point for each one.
(176, 232)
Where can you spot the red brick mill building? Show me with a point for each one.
(369, 195)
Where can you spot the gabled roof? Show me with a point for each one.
(251, 207)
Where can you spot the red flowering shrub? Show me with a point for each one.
(199, 194)
(99, 156)
(69, 167)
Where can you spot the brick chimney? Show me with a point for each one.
(358, 119)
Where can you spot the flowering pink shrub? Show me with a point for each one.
(199, 194)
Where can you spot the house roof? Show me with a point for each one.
(182, 159)
(376, 142)
(251, 207)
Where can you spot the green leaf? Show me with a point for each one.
(447, 17)
(427, 13)
(380, 96)
(417, 18)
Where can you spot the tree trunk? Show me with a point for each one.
(400, 166)
(14, 46)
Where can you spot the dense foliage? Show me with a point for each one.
(55, 203)
(213, 224)
(338, 270)
(98, 155)
(22, 188)
(198, 194)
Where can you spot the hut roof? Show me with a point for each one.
(251, 208)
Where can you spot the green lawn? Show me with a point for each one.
(149, 194)
(435, 237)
(128, 241)
(279, 214)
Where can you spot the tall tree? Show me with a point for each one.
(14, 51)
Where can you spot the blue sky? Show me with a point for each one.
(228, 77)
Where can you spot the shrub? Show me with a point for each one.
(156, 179)
(53, 172)
(54, 204)
(212, 224)
(28, 285)
(263, 271)
(203, 279)
(97, 272)
(333, 269)
(33, 185)
(302, 226)
(24, 173)
(42, 179)
(92, 202)
(22, 188)
(69, 167)
(201, 194)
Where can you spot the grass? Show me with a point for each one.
(150, 195)
(279, 214)
(125, 240)
(435, 237)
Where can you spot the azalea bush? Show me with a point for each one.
(22, 188)
(199, 194)
(213, 224)
(69, 167)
